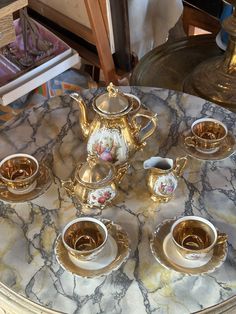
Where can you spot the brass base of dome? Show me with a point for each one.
(212, 81)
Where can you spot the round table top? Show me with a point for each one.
(31, 278)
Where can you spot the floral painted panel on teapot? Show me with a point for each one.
(165, 185)
(109, 145)
(101, 197)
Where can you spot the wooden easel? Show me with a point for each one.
(97, 16)
(96, 34)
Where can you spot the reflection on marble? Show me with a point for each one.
(28, 266)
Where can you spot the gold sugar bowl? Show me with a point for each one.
(94, 183)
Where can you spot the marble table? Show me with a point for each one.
(31, 279)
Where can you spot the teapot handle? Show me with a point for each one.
(152, 118)
(120, 173)
(180, 164)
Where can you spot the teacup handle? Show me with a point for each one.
(190, 141)
(2, 184)
(152, 118)
(221, 238)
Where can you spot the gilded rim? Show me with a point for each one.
(93, 185)
(44, 181)
(18, 156)
(156, 245)
(122, 240)
(227, 148)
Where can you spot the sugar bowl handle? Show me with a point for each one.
(68, 185)
(151, 118)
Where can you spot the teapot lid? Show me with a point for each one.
(95, 171)
(113, 102)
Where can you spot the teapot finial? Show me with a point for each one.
(112, 91)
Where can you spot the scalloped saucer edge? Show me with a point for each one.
(159, 251)
(123, 250)
(226, 149)
(44, 181)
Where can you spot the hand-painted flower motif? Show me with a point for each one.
(101, 197)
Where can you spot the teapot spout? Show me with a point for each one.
(83, 114)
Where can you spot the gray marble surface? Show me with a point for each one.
(28, 266)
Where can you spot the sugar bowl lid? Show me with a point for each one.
(112, 102)
(94, 172)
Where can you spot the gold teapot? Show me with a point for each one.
(94, 183)
(114, 134)
(162, 177)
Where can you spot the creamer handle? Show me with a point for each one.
(180, 165)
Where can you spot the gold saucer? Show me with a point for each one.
(160, 248)
(117, 234)
(44, 180)
(227, 148)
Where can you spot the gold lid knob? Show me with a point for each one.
(112, 91)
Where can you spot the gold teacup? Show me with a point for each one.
(208, 135)
(19, 172)
(84, 238)
(195, 237)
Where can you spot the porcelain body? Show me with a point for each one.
(162, 177)
(94, 183)
(114, 133)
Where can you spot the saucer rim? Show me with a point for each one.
(168, 264)
(191, 151)
(123, 244)
(42, 188)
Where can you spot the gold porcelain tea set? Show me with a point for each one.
(114, 136)
(90, 247)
